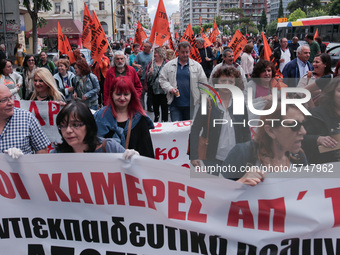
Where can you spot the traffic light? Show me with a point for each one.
(145, 3)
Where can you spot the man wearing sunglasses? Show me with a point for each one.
(20, 131)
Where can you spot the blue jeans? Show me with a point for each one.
(178, 113)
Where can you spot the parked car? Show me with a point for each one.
(334, 53)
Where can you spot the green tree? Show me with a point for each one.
(263, 21)
(33, 7)
(297, 14)
(304, 5)
(334, 7)
(271, 27)
(281, 13)
(317, 13)
(196, 30)
(207, 25)
(235, 17)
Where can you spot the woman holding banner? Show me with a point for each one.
(221, 137)
(45, 87)
(78, 130)
(124, 118)
(274, 149)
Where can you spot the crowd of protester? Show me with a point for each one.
(171, 84)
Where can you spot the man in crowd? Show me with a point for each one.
(224, 41)
(228, 60)
(294, 45)
(298, 67)
(275, 42)
(314, 47)
(207, 56)
(283, 54)
(141, 61)
(180, 77)
(120, 69)
(136, 50)
(19, 129)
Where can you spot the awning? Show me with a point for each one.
(69, 27)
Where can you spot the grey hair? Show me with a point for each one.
(183, 44)
(299, 49)
(118, 53)
(225, 52)
(161, 51)
(147, 41)
(200, 39)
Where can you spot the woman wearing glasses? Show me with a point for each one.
(78, 130)
(277, 145)
(323, 127)
(28, 69)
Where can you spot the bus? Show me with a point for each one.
(328, 28)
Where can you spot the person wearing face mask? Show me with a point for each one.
(64, 78)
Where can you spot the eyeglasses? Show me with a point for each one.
(73, 126)
(297, 126)
(30, 60)
(6, 99)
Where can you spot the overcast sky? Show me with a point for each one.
(171, 6)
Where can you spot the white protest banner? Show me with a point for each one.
(98, 204)
(170, 139)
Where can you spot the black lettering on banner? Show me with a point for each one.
(135, 238)
(330, 248)
(4, 229)
(153, 235)
(171, 238)
(72, 231)
(213, 244)
(58, 250)
(35, 249)
(90, 231)
(55, 230)
(184, 240)
(104, 232)
(197, 243)
(118, 231)
(15, 227)
(292, 248)
(318, 246)
(37, 228)
(27, 228)
(269, 249)
(89, 252)
(242, 248)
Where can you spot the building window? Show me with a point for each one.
(101, 6)
(70, 7)
(57, 7)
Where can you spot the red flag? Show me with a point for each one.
(190, 37)
(99, 42)
(267, 50)
(86, 37)
(68, 50)
(214, 33)
(316, 33)
(61, 43)
(160, 30)
(176, 35)
(140, 35)
(237, 43)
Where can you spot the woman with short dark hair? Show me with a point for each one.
(86, 84)
(28, 69)
(10, 78)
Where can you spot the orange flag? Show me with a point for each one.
(201, 25)
(267, 50)
(140, 35)
(316, 33)
(207, 43)
(171, 44)
(61, 42)
(160, 30)
(86, 37)
(68, 50)
(190, 37)
(214, 33)
(99, 42)
(176, 35)
(237, 43)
